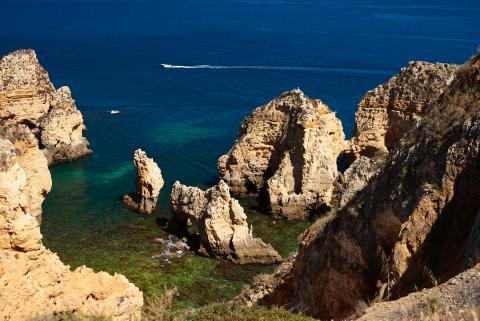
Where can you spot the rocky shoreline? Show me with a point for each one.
(41, 126)
(395, 209)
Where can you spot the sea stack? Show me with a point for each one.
(413, 223)
(287, 153)
(28, 97)
(149, 182)
(221, 224)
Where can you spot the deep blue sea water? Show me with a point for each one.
(109, 54)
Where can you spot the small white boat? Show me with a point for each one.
(114, 111)
(166, 66)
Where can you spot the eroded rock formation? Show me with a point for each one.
(33, 280)
(149, 182)
(390, 110)
(221, 224)
(286, 150)
(33, 162)
(28, 97)
(269, 289)
(413, 224)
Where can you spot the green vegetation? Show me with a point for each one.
(231, 312)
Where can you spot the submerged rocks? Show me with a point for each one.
(287, 152)
(149, 182)
(31, 273)
(221, 224)
(390, 110)
(28, 97)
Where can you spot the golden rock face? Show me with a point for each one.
(28, 96)
(288, 149)
(28, 271)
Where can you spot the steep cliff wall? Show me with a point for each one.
(31, 273)
(287, 153)
(413, 224)
(390, 110)
(40, 125)
(28, 97)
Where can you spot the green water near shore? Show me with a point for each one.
(85, 223)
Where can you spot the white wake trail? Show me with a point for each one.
(285, 68)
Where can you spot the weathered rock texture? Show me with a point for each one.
(221, 224)
(33, 162)
(354, 179)
(287, 150)
(269, 289)
(457, 295)
(149, 182)
(414, 224)
(390, 110)
(28, 97)
(33, 280)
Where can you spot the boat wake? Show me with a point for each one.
(284, 68)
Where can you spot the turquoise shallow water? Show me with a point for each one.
(109, 52)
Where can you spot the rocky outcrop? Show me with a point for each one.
(221, 224)
(457, 297)
(269, 289)
(28, 97)
(33, 162)
(31, 273)
(390, 110)
(415, 222)
(354, 180)
(286, 151)
(149, 182)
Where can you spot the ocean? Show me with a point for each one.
(224, 58)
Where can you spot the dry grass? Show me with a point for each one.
(472, 314)
(156, 308)
(235, 312)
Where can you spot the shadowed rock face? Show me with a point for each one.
(412, 224)
(221, 224)
(31, 273)
(149, 183)
(28, 97)
(286, 152)
(386, 113)
(457, 295)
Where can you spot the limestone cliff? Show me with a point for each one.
(28, 97)
(149, 182)
(33, 162)
(286, 151)
(390, 110)
(221, 224)
(31, 273)
(415, 221)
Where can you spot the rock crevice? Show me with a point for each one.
(221, 224)
(287, 153)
